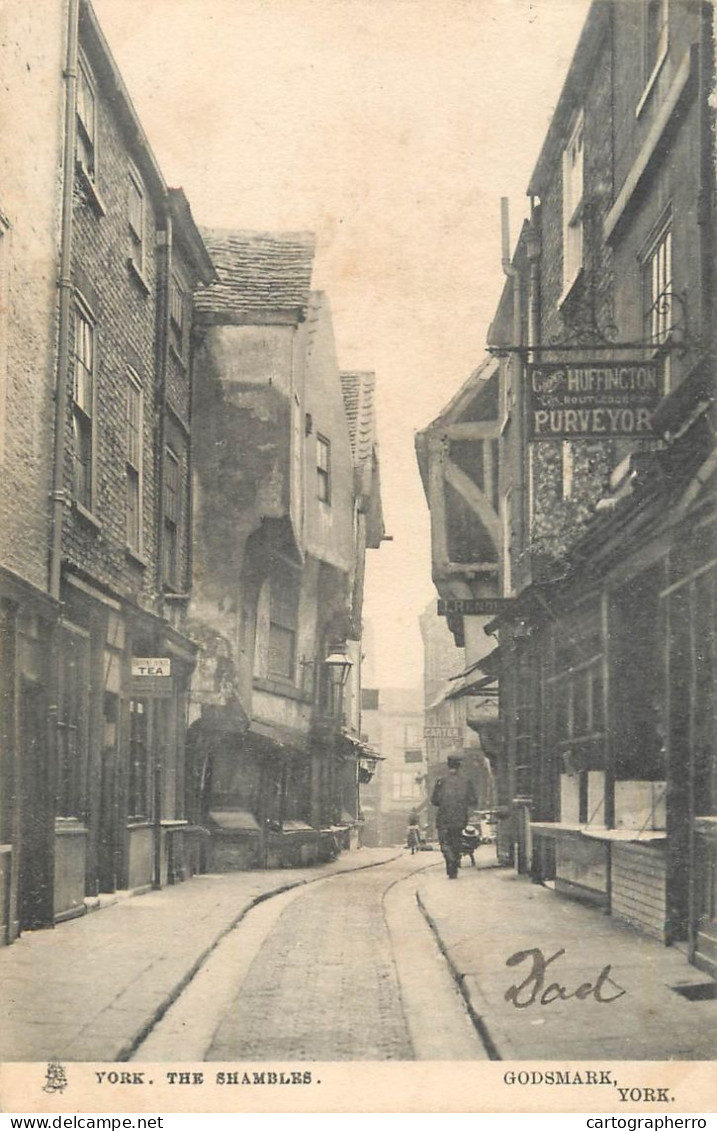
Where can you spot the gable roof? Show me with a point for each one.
(453, 412)
(259, 274)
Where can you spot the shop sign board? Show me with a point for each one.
(450, 732)
(442, 738)
(151, 677)
(472, 606)
(592, 400)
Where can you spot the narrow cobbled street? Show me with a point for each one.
(324, 985)
(337, 970)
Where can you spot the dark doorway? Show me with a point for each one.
(108, 861)
(35, 888)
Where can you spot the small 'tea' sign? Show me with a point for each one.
(151, 665)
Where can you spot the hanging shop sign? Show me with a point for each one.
(472, 606)
(592, 400)
(151, 676)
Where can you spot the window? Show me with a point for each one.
(657, 287)
(323, 468)
(134, 463)
(86, 123)
(412, 734)
(176, 314)
(656, 31)
(369, 699)
(83, 410)
(405, 786)
(172, 515)
(573, 206)
(139, 793)
(135, 209)
(283, 616)
(576, 693)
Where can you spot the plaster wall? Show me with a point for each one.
(329, 525)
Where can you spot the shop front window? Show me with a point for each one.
(139, 791)
(576, 693)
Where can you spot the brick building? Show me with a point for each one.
(604, 339)
(29, 214)
(98, 750)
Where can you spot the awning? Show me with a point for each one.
(235, 820)
(284, 737)
(480, 686)
(487, 664)
(359, 749)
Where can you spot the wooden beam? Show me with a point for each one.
(475, 498)
(471, 430)
(437, 505)
(466, 568)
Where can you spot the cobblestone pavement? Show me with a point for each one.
(324, 984)
(91, 988)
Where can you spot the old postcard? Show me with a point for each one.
(357, 556)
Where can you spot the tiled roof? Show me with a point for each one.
(359, 390)
(258, 272)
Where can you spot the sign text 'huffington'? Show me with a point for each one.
(592, 400)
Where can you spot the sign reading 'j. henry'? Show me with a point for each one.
(588, 400)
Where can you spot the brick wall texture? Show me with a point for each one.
(125, 308)
(609, 290)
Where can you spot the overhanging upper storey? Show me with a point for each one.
(458, 457)
(250, 390)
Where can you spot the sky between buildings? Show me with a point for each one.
(391, 128)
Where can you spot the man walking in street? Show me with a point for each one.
(454, 796)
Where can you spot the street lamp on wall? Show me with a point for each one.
(338, 665)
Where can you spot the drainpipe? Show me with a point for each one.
(164, 245)
(65, 288)
(533, 249)
(57, 495)
(163, 335)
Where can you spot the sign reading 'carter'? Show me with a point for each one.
(589, 400)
